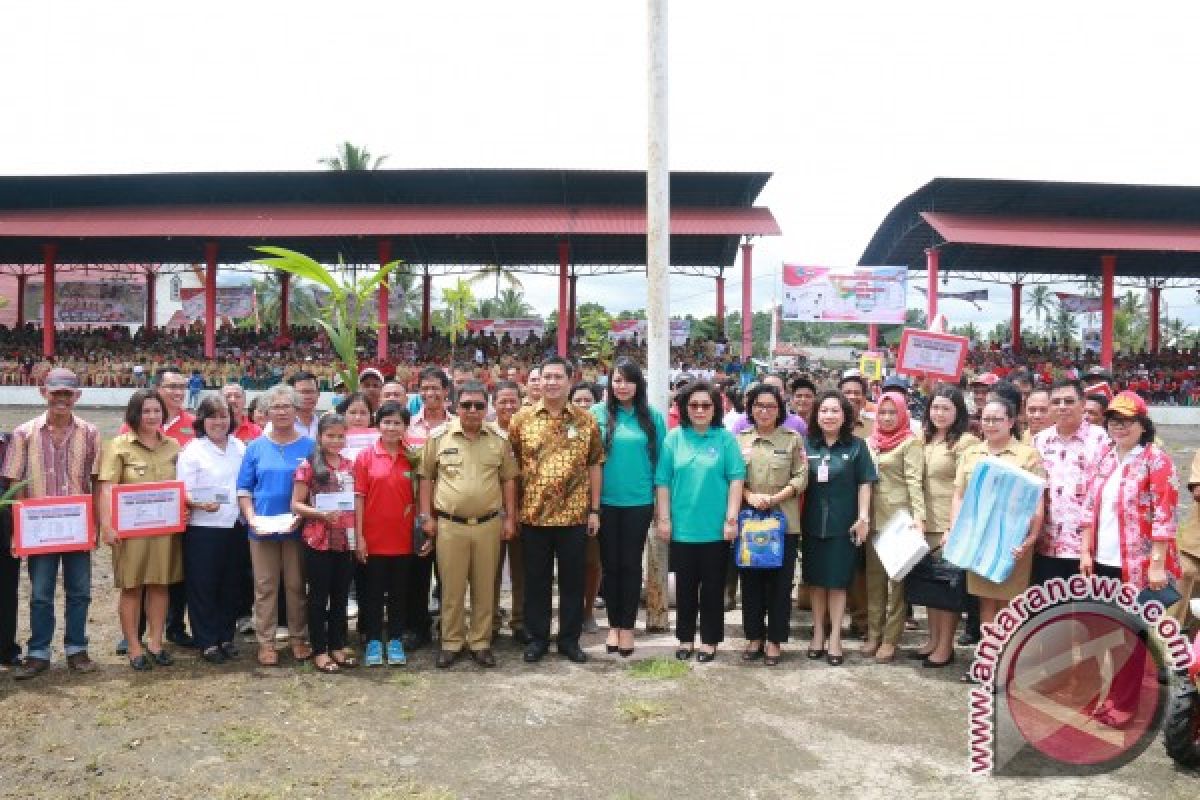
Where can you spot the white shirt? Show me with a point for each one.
(1108, 530)
(203, 465)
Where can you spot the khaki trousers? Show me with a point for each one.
(269, 557)
(468, 554)
(510, 551)
(1189, 586)
(657, 556)
(885, 602)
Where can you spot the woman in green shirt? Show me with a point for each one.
(633, 435)
(836, 518)
(698, 482)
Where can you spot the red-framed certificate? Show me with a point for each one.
(53, 525)
(940, 355)
(149, 509)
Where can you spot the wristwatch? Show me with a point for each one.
(422, 519)
(594, 511)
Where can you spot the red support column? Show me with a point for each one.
(564, 257)
(285, 303)
(151, 302)
(21, 280)
(1108, 275)
(872, 336)
(210, 300)
(49, 253)
(574, 310)
(426, 304)
(747, 301)
(1016, 318)
(385, 256)
(720, 306)
(1155, 316)
(932, 262)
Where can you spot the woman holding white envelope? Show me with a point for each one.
(900, 462)
(208, 467)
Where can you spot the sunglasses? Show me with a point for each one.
(472, 405)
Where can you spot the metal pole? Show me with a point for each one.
(658, 210)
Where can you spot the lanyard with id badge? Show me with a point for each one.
(823, 469)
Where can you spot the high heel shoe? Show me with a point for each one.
(706, 657)
(610, 648)
(929, 663)
(625, 653)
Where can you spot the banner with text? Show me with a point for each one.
(233, 302)
(844, 294)
(103, 302)
(1078, 304)
(621, 330)
(518, 330)
(939, 355)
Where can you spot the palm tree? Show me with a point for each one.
(484, 309)
(511, 304)
(352, 158)
(304, 301)
(1131, 303)
(1041, 302)
(1064, 326)
(1175, 332)
(970, 331)
(499, 273)
(407, 297)
(458, 300)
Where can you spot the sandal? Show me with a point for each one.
(301, 652)
(329, 667)
(345, 662)
(268, 657)
(141, 663)
(162, 658)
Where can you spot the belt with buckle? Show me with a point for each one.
(467, 520)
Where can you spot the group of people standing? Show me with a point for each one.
(475, 478)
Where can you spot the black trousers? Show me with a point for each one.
(211, 582)
(1047, 567)
(767, 597)
(329, 573)
(387, 580)
(700, 589)
(622, 539)
(419, 579)
(541, 547)
(10, 579)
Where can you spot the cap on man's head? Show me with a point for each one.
(898, 382)
(61, 378)
(368, 372)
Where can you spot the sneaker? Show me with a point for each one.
(245, 625)
(282, 635)
(374, 655)
(351, 608)
(395, 654)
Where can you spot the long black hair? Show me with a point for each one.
(959, 426)
(317, 459)
(631, 372)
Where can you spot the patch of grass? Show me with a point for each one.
(636, 710)
(659, 669)
(237, 737)
(404, 680)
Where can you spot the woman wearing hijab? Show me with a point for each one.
(899, 457)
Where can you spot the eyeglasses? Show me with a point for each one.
(1120, 422)
(699, 406)
(994, 420)
(472, 405)
(765, 407)
(1063, 401)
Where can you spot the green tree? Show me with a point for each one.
(351, 158)
(499, 274)
(595, 323)
(511, 304)
(1041, 303)
(1064, 326)
(348, 293)
(969, 330)
(1176, 332)
(458, 300)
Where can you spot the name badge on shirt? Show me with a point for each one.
(823, 472)
(571, 432)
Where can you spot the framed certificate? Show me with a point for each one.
(149, 509)
(940, 355)
(357, 440)
(53, 525)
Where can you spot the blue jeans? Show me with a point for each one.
(77, 584)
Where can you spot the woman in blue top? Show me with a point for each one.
(265, 489)
(698, 480)
(633, 434)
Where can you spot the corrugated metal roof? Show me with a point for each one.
(1065, 233)
(374, 220)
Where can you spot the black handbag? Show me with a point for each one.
(936, 583)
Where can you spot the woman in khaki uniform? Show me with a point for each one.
(999, 420)
(144, 455)
(899, 457)
(946, 443)
(776, 476)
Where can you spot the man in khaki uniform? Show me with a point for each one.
(1188, 537)
(468, 500)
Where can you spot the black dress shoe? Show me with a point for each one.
(535, 652)
(446, 658)
(484, 658)
(967, 638)
(929, 663)
(753, 655)
(214, 655)
(162, 658)
(230, 650)
(410, 641)
(181, 639)
(521, 636)
(573, 652)
(705, 657)
(31, 669)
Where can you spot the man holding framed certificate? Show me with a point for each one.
(57, 456)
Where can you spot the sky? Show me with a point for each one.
(852, 106)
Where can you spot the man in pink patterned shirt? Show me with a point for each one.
(1071, 450)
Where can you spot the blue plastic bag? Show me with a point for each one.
(997, 508)
(760, 539)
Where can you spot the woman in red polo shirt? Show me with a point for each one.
(383, 508)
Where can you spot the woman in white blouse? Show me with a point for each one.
(208, 467)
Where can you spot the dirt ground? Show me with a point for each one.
(612, 728)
